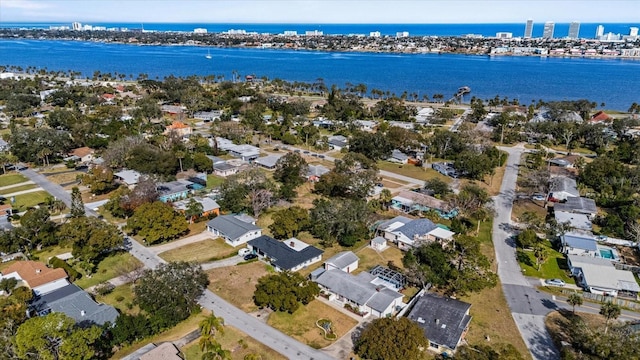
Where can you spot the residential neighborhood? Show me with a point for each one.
(299, 227)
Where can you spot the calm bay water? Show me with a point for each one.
(612, 81)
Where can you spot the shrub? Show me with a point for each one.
(119, 298)
(71, 272)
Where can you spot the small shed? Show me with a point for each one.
(378, 243)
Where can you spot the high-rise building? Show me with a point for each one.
(633, 32)
(547, 33)
(528, 29)
(599, 31)
(574, 30)
(76, 26)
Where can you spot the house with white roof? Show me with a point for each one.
(599, 276)
(398, 156)
(576, 221)
(268, 162)
(408, 201)
(128, 177)
(345, 261)
(245, 152)
(409, 233)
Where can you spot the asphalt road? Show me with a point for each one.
(233, 316)
(528, 305)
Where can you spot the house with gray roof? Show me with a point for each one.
(563, 187)
(360, 293)
(234, 229)
(269, 161)
(75, 303)
(128, 177)
(444, 320)
(345, 261)
(245, 152)
(337, 142)
(600, 276)
(174, 190)
(316, 171)
(289, 255)
(409, 233)
(578, 205)
(579, 244)
(398, 156)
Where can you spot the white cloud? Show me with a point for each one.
(23, 4)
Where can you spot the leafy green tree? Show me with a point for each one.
(287, 223)
(54, 336)
(26, 143)
(610, 311)
(470, 198)
(247, 191)
(36, 228)
(157, 222)
(130, 328)
(345, 221)
(202, 163)
(284, 291)
(352, 177)
(169, 294)
(100, 180)
(392, 339)
(90, 237)
(8, 284)
(194, 209)
(77, 205)
(541, 253)
(574, 300)
(527, 238)
(374, 146)
(440, 188)
(290, 171)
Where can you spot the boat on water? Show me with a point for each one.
(208, 56)
(463, 90)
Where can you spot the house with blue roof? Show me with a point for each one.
(410, 233)
(579, 244)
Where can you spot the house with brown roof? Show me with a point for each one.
(179, 128)
(83, 154)
(600, 117)
(36, 276)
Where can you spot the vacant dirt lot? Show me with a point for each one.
(236, 284)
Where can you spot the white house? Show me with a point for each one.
(577, 221)
(360, 293)
(289, 255)
(378, 243)
(599, 276)
(408, 233)
(398, 156)
(337, 142)
(579, 244)
(234, 229)
(128, 177)
(345, 261)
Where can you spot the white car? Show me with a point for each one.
(554, 282)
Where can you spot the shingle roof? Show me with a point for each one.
(268, 161)
(281, 254)
(358, 289)
(342, 259)
(398, 155)
(35, 273)
(577, 205)
(563, 183)
(128, 176)
(230, 226)
(409, 198)
(600, 272)
(416, 227)
(443, 319)
(77, 304)
(317, 170)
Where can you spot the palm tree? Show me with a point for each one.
(211, 349)
(541, 254)
(609, 311)
(385, 198)
(180, 155)
(574, 300)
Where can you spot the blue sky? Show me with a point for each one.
(320, 11)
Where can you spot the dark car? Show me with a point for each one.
(321, 156)
(250, 257)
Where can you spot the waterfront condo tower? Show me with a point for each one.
(574, 30)
(528, 29)
(547, 33)
(599, 31)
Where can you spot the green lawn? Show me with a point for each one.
(214, 181)
(17, 188)
(201, 251)
(49, 252)
(110, 268)
(124, 293)
(25, 201)
(413, 171)
(11, 179)
(555, 267)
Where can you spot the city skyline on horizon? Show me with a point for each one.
(317, 11)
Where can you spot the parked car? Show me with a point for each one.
(539, 197)
(244, 252)
(321, 156)
(250, 257)
(554, 282)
